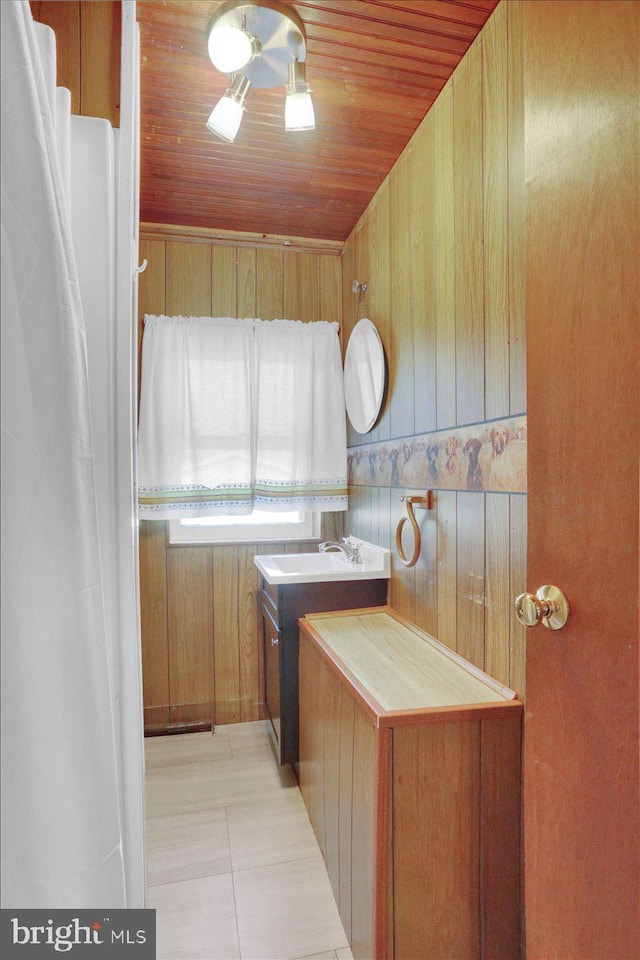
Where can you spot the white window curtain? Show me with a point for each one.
(237, 414)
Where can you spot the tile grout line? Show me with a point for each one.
(233, 882)
(277, 863)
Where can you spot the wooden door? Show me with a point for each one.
(583, 254)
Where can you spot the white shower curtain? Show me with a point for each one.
(61, 836)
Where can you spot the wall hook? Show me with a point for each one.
(359, 287)
(142, 267)
(424, 503)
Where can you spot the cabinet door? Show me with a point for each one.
(271, 644)
(436, 841)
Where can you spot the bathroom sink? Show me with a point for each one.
(324, 567)
(308, 563)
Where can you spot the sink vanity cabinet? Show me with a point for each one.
(410, 772)
(281, 606)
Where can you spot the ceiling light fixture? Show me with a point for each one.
(264, 45)
(226, 116)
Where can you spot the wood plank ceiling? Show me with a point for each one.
(375, 67)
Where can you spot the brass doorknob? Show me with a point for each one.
(548, 606)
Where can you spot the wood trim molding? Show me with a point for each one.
(475, 711)
(169, 231)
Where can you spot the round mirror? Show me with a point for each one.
(364, 376)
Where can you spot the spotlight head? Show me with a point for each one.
(226, 116)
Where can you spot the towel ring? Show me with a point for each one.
(424, 503)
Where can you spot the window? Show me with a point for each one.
(261, 526)
(240, 413)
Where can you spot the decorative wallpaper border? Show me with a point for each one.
(486, 456)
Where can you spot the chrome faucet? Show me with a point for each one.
(350, 550)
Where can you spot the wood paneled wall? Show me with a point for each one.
(441, 248)
(198, 604)
(88, 35)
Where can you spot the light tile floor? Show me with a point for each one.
(234, 869)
